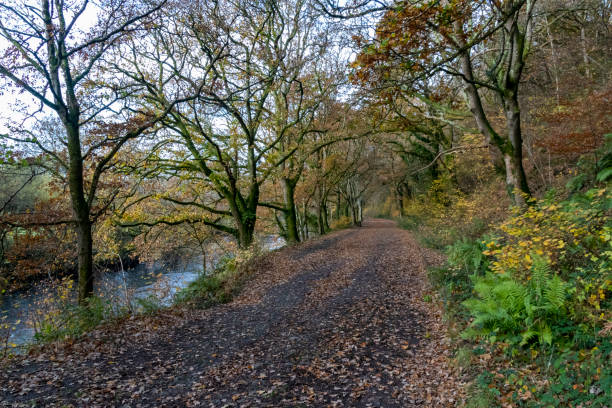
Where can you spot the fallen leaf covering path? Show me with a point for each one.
(336, 322)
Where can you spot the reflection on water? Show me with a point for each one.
(120, 288)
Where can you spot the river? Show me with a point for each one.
(119, 288)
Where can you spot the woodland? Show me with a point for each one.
(155, 132)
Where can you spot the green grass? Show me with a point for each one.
(76, 320)
(216, 288)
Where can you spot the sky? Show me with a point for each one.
(11, 100)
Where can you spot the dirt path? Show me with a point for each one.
(339, 321)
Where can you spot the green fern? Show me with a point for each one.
(527, 336)
(605, 163)
(540, 274)
(505, 307)
(545, 335)
(556, 293)
(467, 254)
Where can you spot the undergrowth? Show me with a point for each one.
(341, 223)
(223, 283)
(215, 288)
(528, 295)
(72, 321)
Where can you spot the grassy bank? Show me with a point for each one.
(526, 291)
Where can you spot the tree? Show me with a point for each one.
(235, 59)
(304, 129)
(50, 56)
(484, 44)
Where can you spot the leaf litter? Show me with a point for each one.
(335, 322)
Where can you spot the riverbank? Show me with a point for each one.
(144, 288)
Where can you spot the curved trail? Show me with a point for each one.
(338, 321)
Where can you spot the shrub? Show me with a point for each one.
(604, 165)
(75, 320)
(341, 223)
(410, 222)
(575, 235)
(467, 254)
(534, 295)
(454, 280)
(205, 291)
(221, 285)
(148, 305)
(544, 301)
(6, 346)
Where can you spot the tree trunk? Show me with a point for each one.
(246, 229)
(475, 106)
(400, 199)
(354, 213)
(290, 212)
(320, 221)
(80, 209)
(244, 212)
(244, 219)
(511, 148)
(554, 60)
(516, 179)
(305, 224)
(85, 259)
(325, 218)
(585, 55)
(204, 261)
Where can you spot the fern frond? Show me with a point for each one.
(528, 335)
(540, 273)
(555, 292)
(545, 334)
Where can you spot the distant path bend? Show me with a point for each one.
(340, 321)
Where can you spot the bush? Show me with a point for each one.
(537, 293)
(7, 348)
(467, 255)
(575, 235)
(410, 222)
(454, 281)
(75, 320)
(341, 223)
(220, 286)
(205, 291)
(149, 305)
(534, 295)
(541, 256)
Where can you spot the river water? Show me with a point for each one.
(119, 288)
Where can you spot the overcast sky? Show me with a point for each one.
(11, 100)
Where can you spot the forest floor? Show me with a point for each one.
(345, 320)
